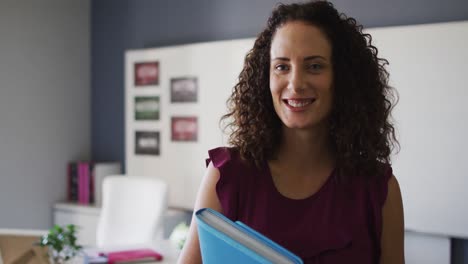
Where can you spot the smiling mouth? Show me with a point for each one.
(298, 103)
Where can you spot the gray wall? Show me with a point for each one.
(44, 104)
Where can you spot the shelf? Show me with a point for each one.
(78, 208)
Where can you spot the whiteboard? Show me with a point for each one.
(428, 67)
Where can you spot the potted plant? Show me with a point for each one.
(61, 243)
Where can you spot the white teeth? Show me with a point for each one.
(299, 103)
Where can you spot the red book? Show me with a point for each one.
(132, 256)
(83, 183)
(80, 182)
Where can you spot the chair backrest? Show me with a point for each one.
(132, 212)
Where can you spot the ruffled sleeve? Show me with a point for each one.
(378, 196)
(227, 188)
(383, 186)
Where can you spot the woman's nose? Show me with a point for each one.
(296, 81)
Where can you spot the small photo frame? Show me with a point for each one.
(147, 143)
(184, 90)
(184, 128)
(147, 108)
(146, 73)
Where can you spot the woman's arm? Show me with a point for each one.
(392, 241)
(206, 198)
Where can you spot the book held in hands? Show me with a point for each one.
(225, 241)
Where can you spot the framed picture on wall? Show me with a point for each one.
(184, 128)
(184, 90)
(147, 108)
(147, 143)
(146, 73)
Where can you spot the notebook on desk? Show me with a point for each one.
(125, 256)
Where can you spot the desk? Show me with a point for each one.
(16, 245)
(169, 251)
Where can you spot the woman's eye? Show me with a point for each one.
(315, 67)
(281, 67)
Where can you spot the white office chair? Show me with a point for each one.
(132, 211)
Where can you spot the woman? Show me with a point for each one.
(311, 136)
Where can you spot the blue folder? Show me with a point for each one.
(225, 241)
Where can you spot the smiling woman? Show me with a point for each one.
(309, 165)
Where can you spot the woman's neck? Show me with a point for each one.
(305, 148)
(303, 164)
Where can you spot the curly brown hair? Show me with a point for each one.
(360, 128)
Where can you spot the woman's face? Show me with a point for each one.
(301, 75)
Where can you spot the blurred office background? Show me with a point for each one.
(62, 79)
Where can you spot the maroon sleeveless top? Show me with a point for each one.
(340, 223)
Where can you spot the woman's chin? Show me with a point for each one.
(304, 125)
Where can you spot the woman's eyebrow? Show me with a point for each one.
(314, 57)
(281, 58)
(306, 58)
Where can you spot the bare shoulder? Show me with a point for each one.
(207, 196)
(392, 240)
(393, 185)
